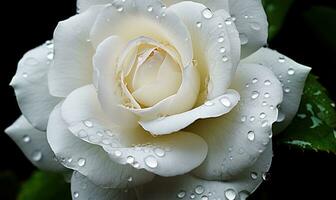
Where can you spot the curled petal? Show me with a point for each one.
(31, 86)
(214, 108)
(34, 145)
(291, 74)
(236, 139)
(72, 66)
(216, 46)
(83, 189)
(131, 146)
(190, 187)
(88, 159)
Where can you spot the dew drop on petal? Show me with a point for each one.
(225, 59)
(266, 95)
(26, 139)
(254, 175)
(254, 80)
(225, 101)
(207, 13)
(130, 159)
(88, 123)
(159, 152)
(222, 50)
(255, 26)
(199, 24)
(291, 71)
(117, 153)
(281, 59)
(209, 103)
(37, 156)
(220, 25)
(130, 179)
(230, 194)
(262, 115)
(150, 8)
(204, 197)
(267, 82)
(243, 118)
(287, 90)
(220, 39)
(250, 135)
(81, 162)
(181, 194)
(24, 75)
(254, 95)
(76, 195)
(151, 162)
(199, 189)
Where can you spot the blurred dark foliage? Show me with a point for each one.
(294, 175)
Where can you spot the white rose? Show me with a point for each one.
(155, 98)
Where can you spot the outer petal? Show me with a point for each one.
(72, 67)
(31, 86)
(34, 145)
(214, 108)
(236, 139)
(212, 4)
(131, 146)
(189, 187)
(83, 189)
(251, 21)
(291, 74)
(90, 160)
(216, 45)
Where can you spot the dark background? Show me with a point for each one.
(294, 175)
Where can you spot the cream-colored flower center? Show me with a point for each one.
(154, 75)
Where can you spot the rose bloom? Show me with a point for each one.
(152, 100)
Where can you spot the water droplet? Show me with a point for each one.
(264, 103)
(230, 194)
(250, 135)
(228, 21)
(181, 194)
(50, 55)
(130, 159)
(252, 118)
(291, 71)
(243, 39)
(254, 95)
(26, 139)
(136, 164)
(151, 162)
(207, 13)
(254, 80)
(24, 75)
(159, 152)
(199, 189)
(130, 179)
(49, 44)
(266, 176)
(287, 90)
(266, 95)
(281, 59)
(88, 123)
(37, 156)
(220, 39)
(255, 26)
(222, 50)
(262, 115)
(267, 82)
(204, 197)
(199, 24)
(225, 101)
(150, 8)
(209, 103)
(76, 194)
(220, 25)
(82, 134)
(192, 196)
(81, 162)
(225, 59)
(117, 153)
(264, 123)
(247, 85)
(163, 14)
(254, 175)
(69, 160)
(243, 118)
(120, 8)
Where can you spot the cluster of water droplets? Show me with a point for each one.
(36, 155)
(200, 192)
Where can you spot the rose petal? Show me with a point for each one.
(236, 139)
(90, 160)
(251, 22)
(83, 5)
(185, 150)
(132, 19)
(216, 45)
(214, 108)
(189, 187)
(72, 67)
(83, 189)
(291, 74)
(31, 86)
(34, 145)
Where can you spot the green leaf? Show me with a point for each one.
(322, 22)
(276, 11)
(314, 126)
(45, 185)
